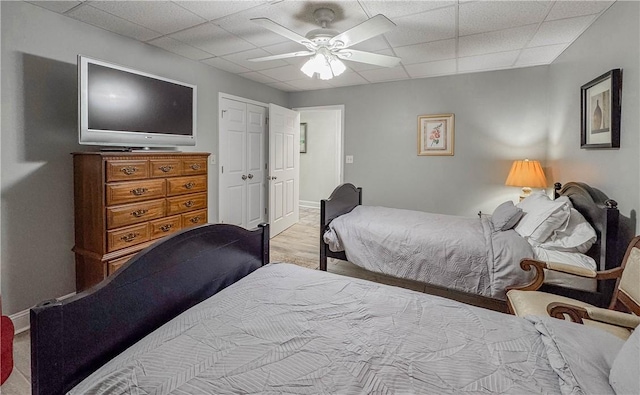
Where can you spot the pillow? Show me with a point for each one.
(624, 371)
(506, 216)
(541, 217)
(576, 236)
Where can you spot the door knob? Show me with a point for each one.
(244, 177)
(273, 178)
(250, 176)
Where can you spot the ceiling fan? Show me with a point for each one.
(328, 46)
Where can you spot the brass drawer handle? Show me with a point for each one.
(139, 191)
(189, 203)
(129, 237)
(190, 185)
(166, 228)
(195, 220)
(129, 170)
(139, 213)
(166, 168)
(195, 166)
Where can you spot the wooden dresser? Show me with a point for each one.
(126, 201)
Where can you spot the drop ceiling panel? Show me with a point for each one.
(104, 20)
(180, 48)
(487, 62)
(428, 26)
(211, 10)
(284, 73)
(540, 55)
(56, 6)
(427, 52)
(385, 74)
(348, 78)
(309, 84)
(498, 41)
(258, 77)
(395, 9)
(283, 86)
(561, 31)
(213, 39)
(430, 69)
(570, 9)
(486, 16)
(225, 65)
(161, 16)
(241, 59)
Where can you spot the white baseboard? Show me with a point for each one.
(21, 319)
(309, 204)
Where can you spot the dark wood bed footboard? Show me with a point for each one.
(70, 339)
(343, 199)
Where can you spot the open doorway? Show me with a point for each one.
(321, 151)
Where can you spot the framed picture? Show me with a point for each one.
(435, 134)
(600, 111)
(303, 138)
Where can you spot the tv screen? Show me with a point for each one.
(125, 107)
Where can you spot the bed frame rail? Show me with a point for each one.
(343, 199)
(70, 339)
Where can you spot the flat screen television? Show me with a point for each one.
(119, 106)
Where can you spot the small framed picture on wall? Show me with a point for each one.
(600, 111)
(303, 138)
(435, 134)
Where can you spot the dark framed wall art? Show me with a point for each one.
(303, 138)
(600, 111)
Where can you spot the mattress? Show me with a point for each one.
(287, 329)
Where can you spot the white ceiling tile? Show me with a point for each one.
(540, 55)
(211, 10)
(348, 78)
(395, 9)
(256, 76)
(56, 6)
(357, 66)
(499, 41)
(377, 43)
(310, 84)
(570, 9)
(241, 59)
(487, 62)
(428, 26)
(441, 67)
(427, 52)
(212, 39)
(180, 48)
(112, 23)
(288, 47)
(384, 74)
(485, 16)
(283, 86)
(241, 26)
(225, 65)
(284, 73)
(162, 16)
(560, 31)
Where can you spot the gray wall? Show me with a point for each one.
(613, 41)
(39, 131)
(318, 166)
(499, 117)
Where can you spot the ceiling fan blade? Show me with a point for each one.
(368, 57)
(282, 56)
(283, 31)
(372, 27)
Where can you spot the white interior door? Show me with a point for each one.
(256, 165)
(232, 156)
(284, 168)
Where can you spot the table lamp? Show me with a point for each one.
(526, 174)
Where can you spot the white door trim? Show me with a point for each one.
(339, 137)
(238, 98)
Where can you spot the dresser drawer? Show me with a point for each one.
(134, 191)
(130, 236)
(129, 214)
(182, 185)
(122, 170)
(194, 218)
(114, 265)
(164, 226)
(194, 166)
(165, 167)
(184, 203)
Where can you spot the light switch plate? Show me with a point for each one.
(212, 159)
(349, 159)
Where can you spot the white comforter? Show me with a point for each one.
(286, 329)
(450, 251)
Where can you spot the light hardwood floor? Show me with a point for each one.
(300, 244)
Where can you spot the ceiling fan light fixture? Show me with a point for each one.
(337, 67)
(325, 64)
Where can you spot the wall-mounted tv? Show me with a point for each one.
(119, 106)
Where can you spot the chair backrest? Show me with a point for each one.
(627, 291)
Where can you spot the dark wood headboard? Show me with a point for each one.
(70, 339)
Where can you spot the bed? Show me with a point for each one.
(198, 312)
(458, 257)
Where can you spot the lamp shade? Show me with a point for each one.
(526, 173)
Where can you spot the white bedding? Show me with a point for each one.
(450, 251)
(286, 329)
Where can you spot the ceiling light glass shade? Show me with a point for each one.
(326, 65)
(337, 67)
(314, 65)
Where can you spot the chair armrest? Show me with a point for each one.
(577, 314)
(526, 265)
(570, 269)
